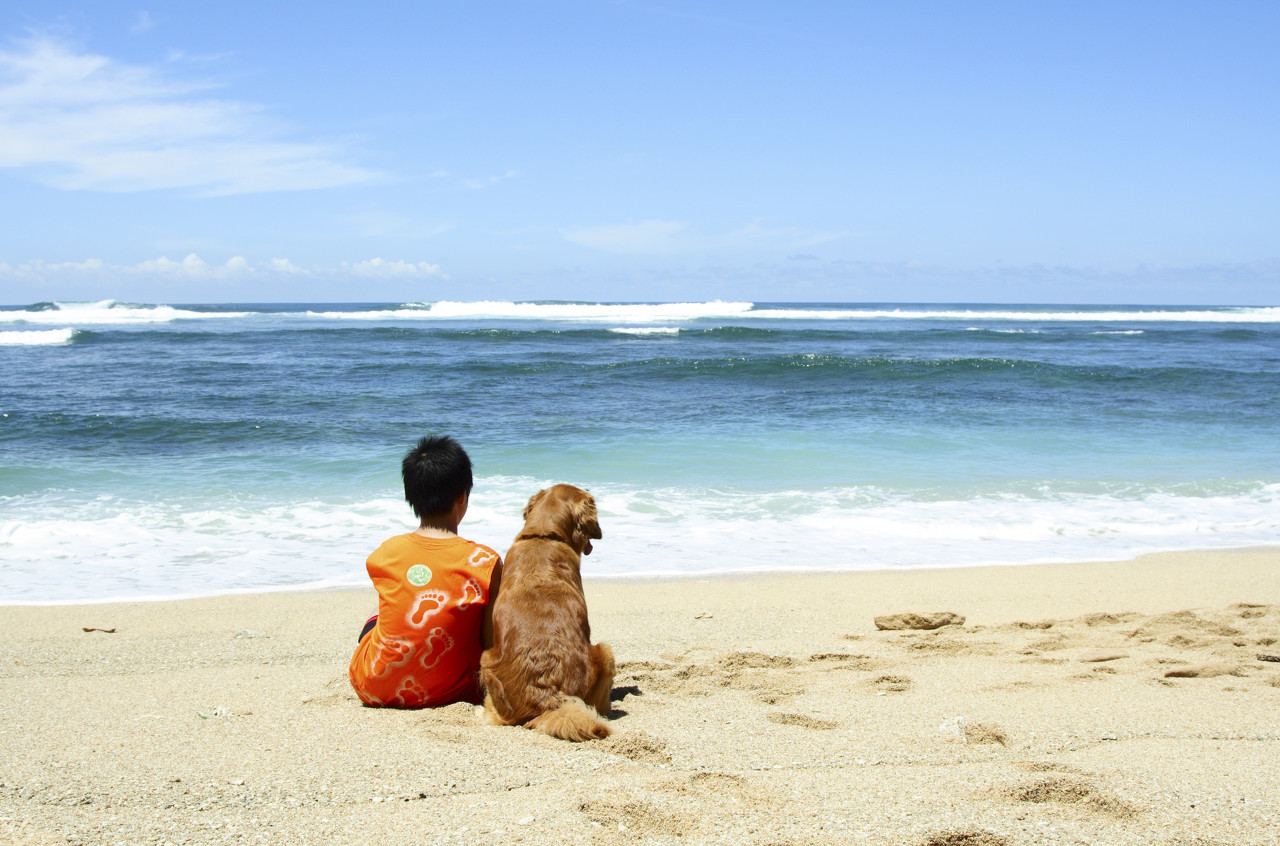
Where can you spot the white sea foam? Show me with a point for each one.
(594, 312)
(108, 312)
(561, 312)
(1153, 315)
(665, 312)
(37, 338)
(131, 551)
(407, 312)
(646, 330)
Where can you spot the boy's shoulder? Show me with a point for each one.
(456, 547)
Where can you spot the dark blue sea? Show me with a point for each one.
(152, 451)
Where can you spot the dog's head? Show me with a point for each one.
(566, 512)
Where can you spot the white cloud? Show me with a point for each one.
(39, 267)
(379, 267)
(86, 122)
(283, 265)
(193, 267)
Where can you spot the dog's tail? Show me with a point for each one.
(573, 720)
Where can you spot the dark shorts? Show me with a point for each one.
(368, 627)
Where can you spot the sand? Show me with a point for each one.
(1107, 703)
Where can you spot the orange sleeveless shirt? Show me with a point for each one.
(425, 648)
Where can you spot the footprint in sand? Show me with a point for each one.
(772, 678)
(1185, 628)
(977, 733)
(1249, 611)
(802, 721)
(1073, 792)
(842, 661)
(1204, 671)
(639, 817)
(746, 670)
(891, 684)
(755, 660)
(964, 838)
(637, 745)
(1052, 767)
(778, 694)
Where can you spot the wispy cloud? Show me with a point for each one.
(488, 181)
(472, 182)
(142, 22)
(236, 267)
(669, 236)
(382, 268)
(80, 121)
(788, 237)
(39, 267)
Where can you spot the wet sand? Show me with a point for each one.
(1108, 703)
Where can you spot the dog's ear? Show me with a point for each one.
(533, 500)
(586, 524)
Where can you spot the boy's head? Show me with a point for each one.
(436, 472)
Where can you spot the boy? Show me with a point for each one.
(434, 593)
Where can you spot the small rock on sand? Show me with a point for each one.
(1091, 656)
(936, 620)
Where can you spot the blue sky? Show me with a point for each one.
(641, 151)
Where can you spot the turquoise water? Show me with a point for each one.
(154, 451)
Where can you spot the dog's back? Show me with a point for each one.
(542, 670)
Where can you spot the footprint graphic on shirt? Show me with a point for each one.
(434, 647)
(410, 693)
(426, 605)
(392, 652)
(479, 557)
(471, 593)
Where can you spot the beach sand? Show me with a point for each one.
(1105, 703)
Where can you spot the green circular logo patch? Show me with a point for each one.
(418, 575)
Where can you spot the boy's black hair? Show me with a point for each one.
(436, 472)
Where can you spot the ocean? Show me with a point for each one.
(161, 451)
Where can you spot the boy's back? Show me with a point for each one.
(425, 647)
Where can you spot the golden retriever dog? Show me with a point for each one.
(542, 670)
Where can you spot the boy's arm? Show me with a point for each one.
(486, 624)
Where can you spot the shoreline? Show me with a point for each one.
(1117, 702)
(589, 577)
